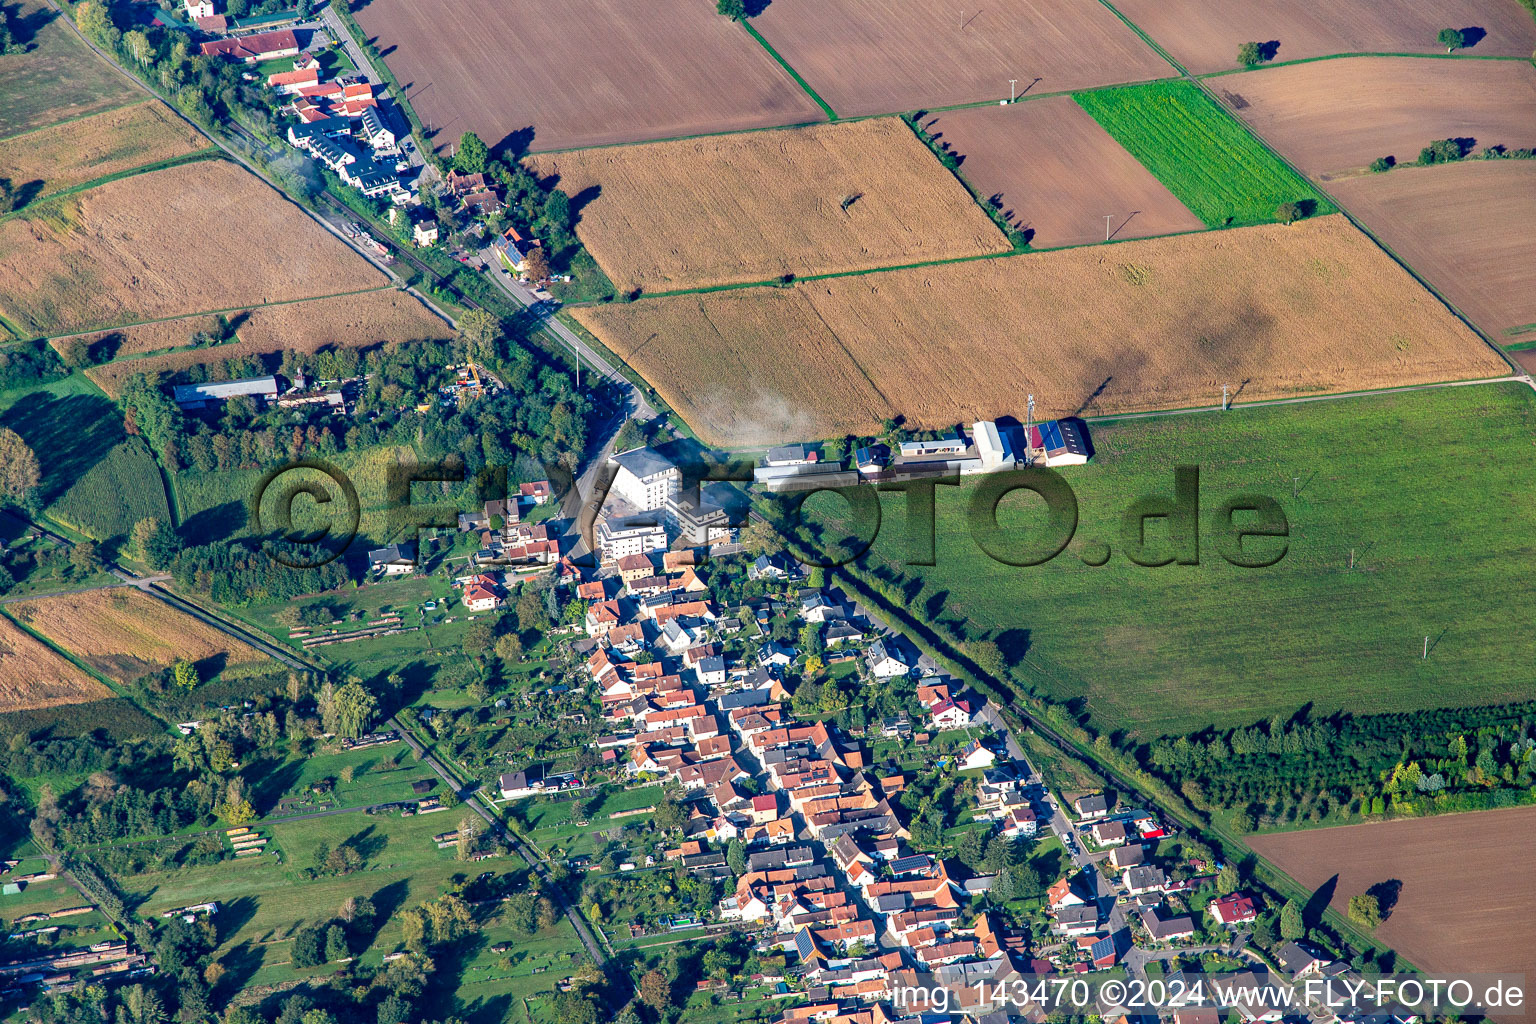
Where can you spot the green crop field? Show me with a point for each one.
(1431, 491)
(115, 493)
(1205, 157)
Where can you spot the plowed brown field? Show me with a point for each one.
(186, 239)
(1336, 116)
(1204, 35)
(123, 633)
(581, 74)
(65, 155)
(1468, 883)
(1161, 323)
(344, 321)
(736, 208)
(1055, 172)
(870, 57)
(32, 676)
(1466, 228)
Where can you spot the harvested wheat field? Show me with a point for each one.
(345, 321)
(1154, 324)
(1466, 228)
(32, 676)
(123, 633)
(1465, 883)
(1334, 117)
(1054, 172)
(556, 76)
(736, 208)
(1203, 35)
(866, 57)
(185, 239)
(65, 155)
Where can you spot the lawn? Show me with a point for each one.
(1203, 155)
(1426, 493)
(264, 901)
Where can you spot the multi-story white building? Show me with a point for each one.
(646, 480)
(639, 534)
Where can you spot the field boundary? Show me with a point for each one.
(201, 313)
(1349, 54)
(110, 684)
(68, 120)
(206, 153)
(790, 70)
(1200, 84)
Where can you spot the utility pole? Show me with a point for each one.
(1295, 486)
(1351, 558)
(1013, 84)
(1107, 218)
(1223, 398)
(1426, 648)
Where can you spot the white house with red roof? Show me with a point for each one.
(1234, 909)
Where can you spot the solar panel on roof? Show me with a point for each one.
(1052, 434)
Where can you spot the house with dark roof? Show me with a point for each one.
(393, 559)
(1167, 929)
(1300, 960)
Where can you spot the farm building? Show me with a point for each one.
(1058, 443)
(203, 396)
(258, 47)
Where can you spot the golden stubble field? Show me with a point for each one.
(343, 321)
(65, 155)
(1270, 311)
(741, 208)
(123, 633)
(186, 239)
(32, 676)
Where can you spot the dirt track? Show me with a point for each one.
(1468, 883)
(1057, 173)
(1466, 227)
(875, 57)
(581, 74)
(1336, 116)
(1204, 35)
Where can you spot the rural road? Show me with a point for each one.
(360, 58)
(544, 310)
(594, 949)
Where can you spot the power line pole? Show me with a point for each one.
(1223, 398)
(1107, 218)
(1426, 648)
(1013, 84)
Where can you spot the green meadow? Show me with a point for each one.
(1429, 494)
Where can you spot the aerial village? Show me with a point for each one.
(918, 846)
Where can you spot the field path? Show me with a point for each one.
(594, 949)
(1521, 378)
